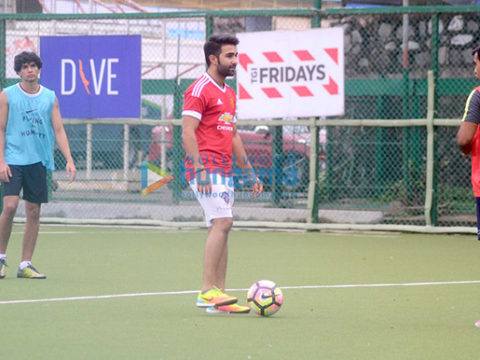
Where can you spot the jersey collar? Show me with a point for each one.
(29, 94)
(212, 80)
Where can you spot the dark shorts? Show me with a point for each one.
(478, 218)
(32, 178)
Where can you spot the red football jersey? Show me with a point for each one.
(475, 163)
(214, 107)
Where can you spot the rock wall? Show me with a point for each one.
(373, 44)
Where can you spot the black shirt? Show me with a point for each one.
(472, 108)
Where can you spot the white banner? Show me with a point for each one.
(290, 74)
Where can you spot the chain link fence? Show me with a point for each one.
(365, 173)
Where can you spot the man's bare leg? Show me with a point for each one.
(215, 255)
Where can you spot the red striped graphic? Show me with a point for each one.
(273, 56)
(244, 60)
(242, 93)
(333, 53)
(331, 87)
(272, 92)
(303, 55)
(302, 91)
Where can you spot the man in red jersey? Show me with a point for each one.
(210, 139)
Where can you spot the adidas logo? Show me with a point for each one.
(219, 102)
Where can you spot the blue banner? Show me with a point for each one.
(93, 76)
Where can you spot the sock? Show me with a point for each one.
(24, 264)
(3, 256)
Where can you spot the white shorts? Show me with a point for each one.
(219, 203)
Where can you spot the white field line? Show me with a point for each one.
(164, 293)
(69, 232)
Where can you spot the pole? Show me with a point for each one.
(314, 188)
(177, 136)
(429, 186)
(406, 103)
(434, 57)
(316, 21)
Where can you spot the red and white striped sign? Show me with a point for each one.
(290, 74)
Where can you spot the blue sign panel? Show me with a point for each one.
(93, 76)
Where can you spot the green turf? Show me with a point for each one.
(417, 322)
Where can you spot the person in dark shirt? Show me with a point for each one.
(468, 137)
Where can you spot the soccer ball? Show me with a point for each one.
(265, 298)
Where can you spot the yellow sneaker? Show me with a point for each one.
(214, 296)
(30, 272)
(3, 268)
(228, 309)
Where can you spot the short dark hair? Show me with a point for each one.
(476, 51)
(214, 45)
(26, 57)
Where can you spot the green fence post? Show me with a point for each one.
(177, 145)
(430, 151)
(406, 130)
(329, 160)
(316, 23)
(316, 20)
(380, 163)
(315, 135)
(208, 27)
(415, 143)
(277, 165)
(434, 62)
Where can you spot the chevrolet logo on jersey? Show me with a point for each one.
(227, 118)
